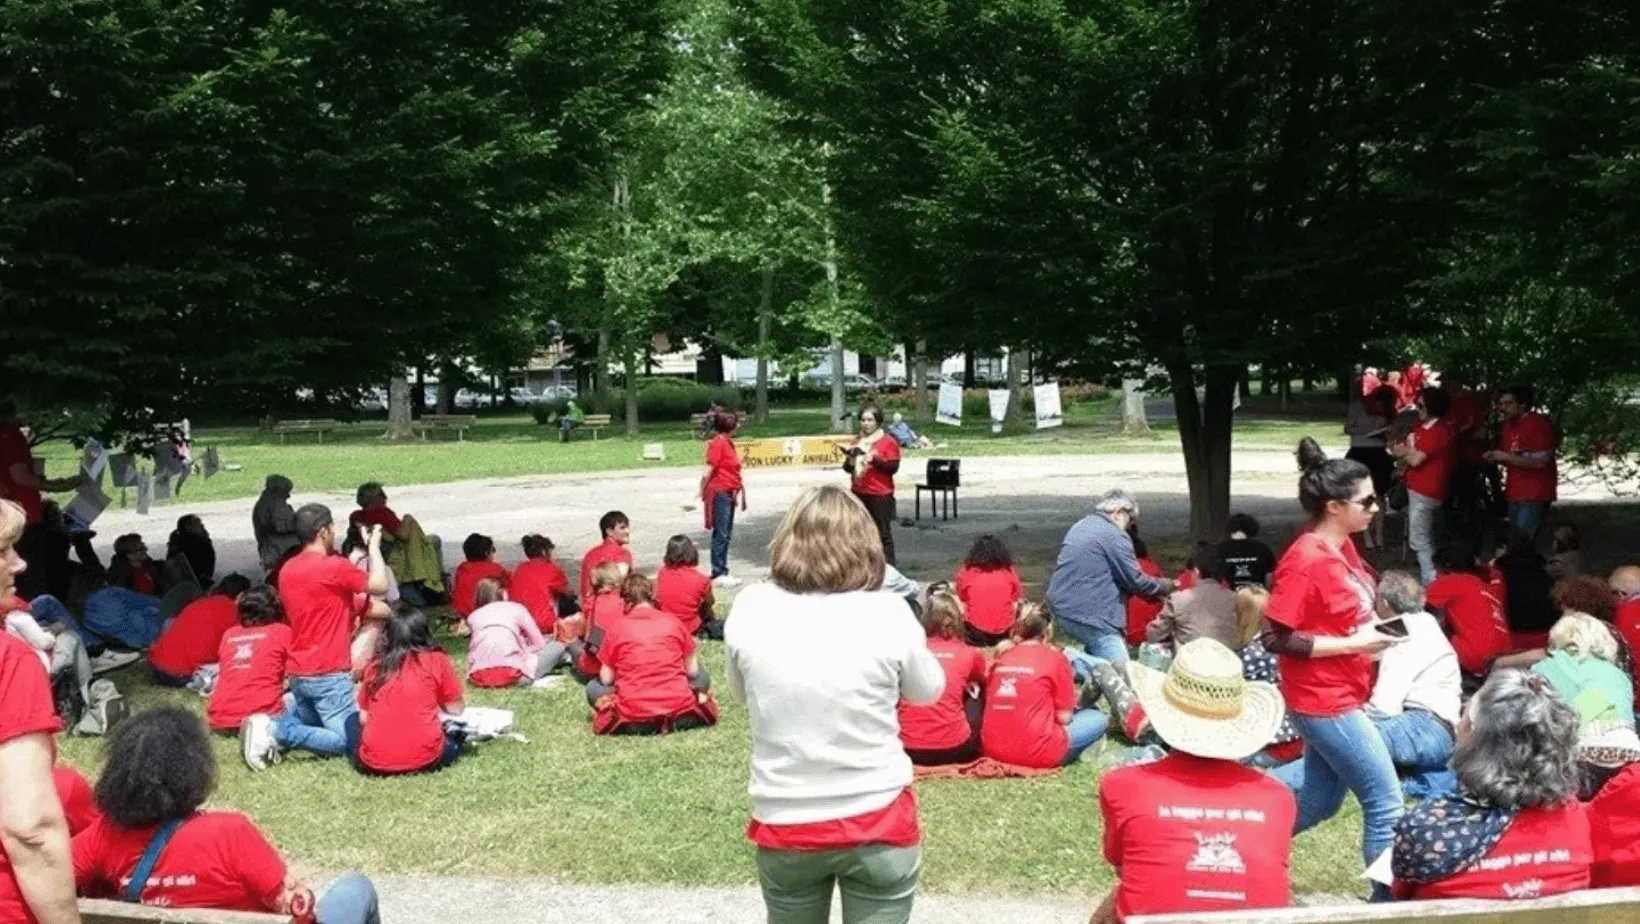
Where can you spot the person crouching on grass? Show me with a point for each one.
(1031, 718)
(1233, 852)
(946, 731)
(650, 681)
(506, 648)
(681, 590)
(404, 695)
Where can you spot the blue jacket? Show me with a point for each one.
(1094, 575)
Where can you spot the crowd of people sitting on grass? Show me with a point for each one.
(1482, 710)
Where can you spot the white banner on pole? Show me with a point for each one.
(999, 407)
(949, 410)
(1047, 406)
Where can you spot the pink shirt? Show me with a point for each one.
(504, 635)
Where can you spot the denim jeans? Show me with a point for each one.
(1527, 516)
(878, 883)
(48, 610)
(317, 718)
(1421, 512)
(351, 899)
(1086, 728)
(1106, 646)
(1417, 741)
(1345, 754)
(723, 527)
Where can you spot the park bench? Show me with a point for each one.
(97, 911)
(697, 425)
(286, 427)
(1591, 906)
(593, 423)
(460, 423)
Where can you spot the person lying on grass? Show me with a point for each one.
(650, 681)
(946, 731)
(506, 648)
(403, 698)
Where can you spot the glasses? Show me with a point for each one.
(1365, 503)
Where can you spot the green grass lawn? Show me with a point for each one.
(671, 810)
(509, 446)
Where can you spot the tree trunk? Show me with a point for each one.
(1245, 385)
(968, 367)
(1266, 379)
(600, 368)
(1285, 386)
(631, 363)
(398, 409)
(418, 400)
(447, 387)
(917, 375)
(1134, 421)
(1016, 374)
(838, 407)
(1205, 437)
(765, 319)
(709, 367)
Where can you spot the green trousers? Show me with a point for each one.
(878, 883)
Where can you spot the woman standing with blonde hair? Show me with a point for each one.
(822, 659)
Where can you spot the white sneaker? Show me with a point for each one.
(112, 660)
(256, 741)
(726, 580)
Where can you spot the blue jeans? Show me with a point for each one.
(317, 718)
(1106, 646)
(1527, 516)
(1417, 741)
(1345, 754)
(723, 526)
(1086, 728)
(349, 900)
(1421, 512)
(48, 610)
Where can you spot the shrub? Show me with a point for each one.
(659, 399)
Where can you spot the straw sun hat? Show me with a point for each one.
(1203, 706)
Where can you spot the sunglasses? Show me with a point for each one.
(1365, 503)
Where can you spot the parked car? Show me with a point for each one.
(852, 381)
(523, 396)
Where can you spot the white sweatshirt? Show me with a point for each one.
(1419, 673)
(822, 676)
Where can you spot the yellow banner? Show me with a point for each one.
(793, 451)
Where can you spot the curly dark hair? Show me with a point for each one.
(987, 553)
(1586, 594)
(260, 606)
(160, 767)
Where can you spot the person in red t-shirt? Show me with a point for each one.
(1142, 610)
(251, 659)
(190, 641)
(1030, 717)
(325, 597)
(617, 532)
(990, 590)
(1470, 612)
(681, 590)
(1514, 829)
(649, 682)
(1370, 381)
(1614, 826)
(373, 511)
(1625, 585)
(22, 482)
(540, 585)
(131, 568)
(604, 610)
(1196, 831)
(160, 771)
(947, 731)
(479, 550)
(34, 848)
(873, 459)
(1429, 453)
(719, 487)
(1322, 627)
(403, 697)
(1526, 450)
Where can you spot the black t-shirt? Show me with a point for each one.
(1247, 561)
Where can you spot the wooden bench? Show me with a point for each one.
(460, 423)
(1591, 906)
(97, 911)
(285, 427)
(594, 423)
(697, 425)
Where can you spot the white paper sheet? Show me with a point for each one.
(949, 409)
(1046, 398)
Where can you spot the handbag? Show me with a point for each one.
(150, 856)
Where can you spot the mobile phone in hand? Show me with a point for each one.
(1395, 625)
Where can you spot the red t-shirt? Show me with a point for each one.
(680, 591)
(602, 553)
(1030, 685)
(988, 595)
(894, 825)
(874, 481)
(1466, 415)
(191, 639)
(318, 591)
(143, 582)
(1323, 591)
(1532, 432)
(603, 612)
(464, 586)
(1627, 622)
(79, 803)
(251, 680)
(943, 724)
(215, 860)
(724, 463)
(534, 584)
(1546, 851)
(1432, 477)
(26, 708)
(1474, 617)
(14, 450)
(1142, 610)
(402, 730)
(1614, 831)
(377, 516)
(649, 652)
(1188, 834)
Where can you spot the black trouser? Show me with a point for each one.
(881, 508)
(964, 753)
(34, 546)
(982, 639)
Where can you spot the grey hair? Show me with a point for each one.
(1582, 636)
(1116, 501)
(1521, 748)
(1402, 592)
(368, 492)
(278, 484)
